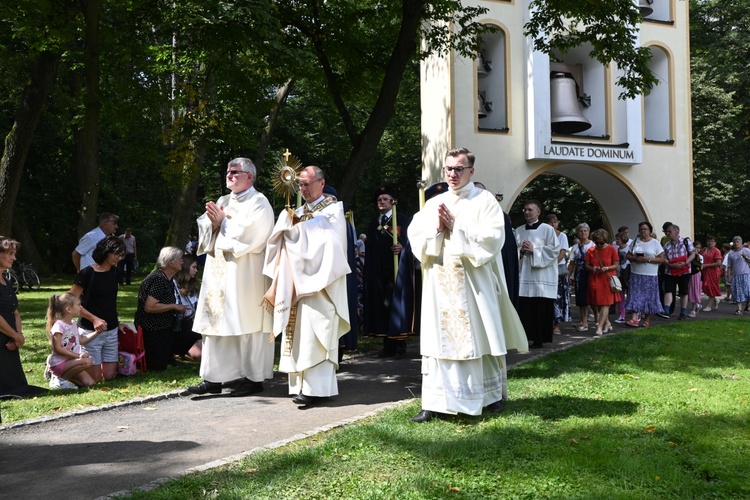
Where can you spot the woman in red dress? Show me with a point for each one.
(711, 271)
(601, 263)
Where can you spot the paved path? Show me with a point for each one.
(107, 450)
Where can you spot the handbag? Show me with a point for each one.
(614, 281)
(614, 284)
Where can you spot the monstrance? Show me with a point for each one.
(285, 180)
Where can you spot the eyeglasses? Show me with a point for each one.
(600, 243)
(231, 173)
(458, 170)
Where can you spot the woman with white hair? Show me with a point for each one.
(738, 260)
(157, 308)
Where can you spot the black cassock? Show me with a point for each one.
(509, 254)
(379, 275)
(349, 341)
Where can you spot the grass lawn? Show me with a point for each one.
(654, 413)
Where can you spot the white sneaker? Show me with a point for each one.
(60, 383)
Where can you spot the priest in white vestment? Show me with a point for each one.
(468, 319)
(235, 328)
(539, 248)
(306, 258)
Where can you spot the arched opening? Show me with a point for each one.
(581, 193)
(492, 87)
(657, 104)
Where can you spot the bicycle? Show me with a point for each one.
(26, 276)
(10, 277)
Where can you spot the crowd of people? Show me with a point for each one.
(456, 273)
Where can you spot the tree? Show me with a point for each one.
(38, 30)
(18, 141)
(609, 26)
(363, 49)
(86, 157)
(721, 122)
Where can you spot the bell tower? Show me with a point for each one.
(525, 114)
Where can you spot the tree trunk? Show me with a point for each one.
(89, 177)
(29, 253)
(265, 140)
(366, 144)
(18, 141)
(183, 207)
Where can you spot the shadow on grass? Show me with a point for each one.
(560, 407)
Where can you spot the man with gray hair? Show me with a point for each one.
(82, 254)
(306, 257)
(233, 233)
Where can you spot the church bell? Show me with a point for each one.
(480, 107)
(565, 110)
(481, 70)
(645, 6)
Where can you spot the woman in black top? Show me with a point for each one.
(12, 378)
(97, 286)
(157, 306)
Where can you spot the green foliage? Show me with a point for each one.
(721, 128)
(563, 197)
(187, 86)
(465, 36)
(610, 27)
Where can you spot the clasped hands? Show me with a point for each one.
(15, 344)
(215, 214)
(527, 247)
(446, 219)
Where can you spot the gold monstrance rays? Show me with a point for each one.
(285, 180)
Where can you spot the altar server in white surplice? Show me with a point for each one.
(540, 249)
(468, 319)
(307, 260)
(236, 330)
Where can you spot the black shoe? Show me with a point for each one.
(247, 388)
(303, 400)
(663, 315)
(537, 345)
(233, 384)
(424, 416)
(496, 407)
(205, 388)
